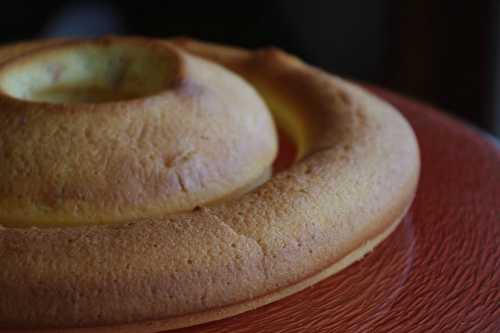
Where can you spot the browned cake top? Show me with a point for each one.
(117, 129)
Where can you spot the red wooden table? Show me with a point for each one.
(438, 272)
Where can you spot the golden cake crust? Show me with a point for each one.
(183, 146)
(356, 177)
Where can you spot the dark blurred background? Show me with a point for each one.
(443, 52)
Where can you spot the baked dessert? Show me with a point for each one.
(136, 189)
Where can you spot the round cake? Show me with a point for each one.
(151, 184)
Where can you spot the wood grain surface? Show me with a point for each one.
(438, 272)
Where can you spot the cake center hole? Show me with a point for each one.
(90, 72)
(287, 153)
